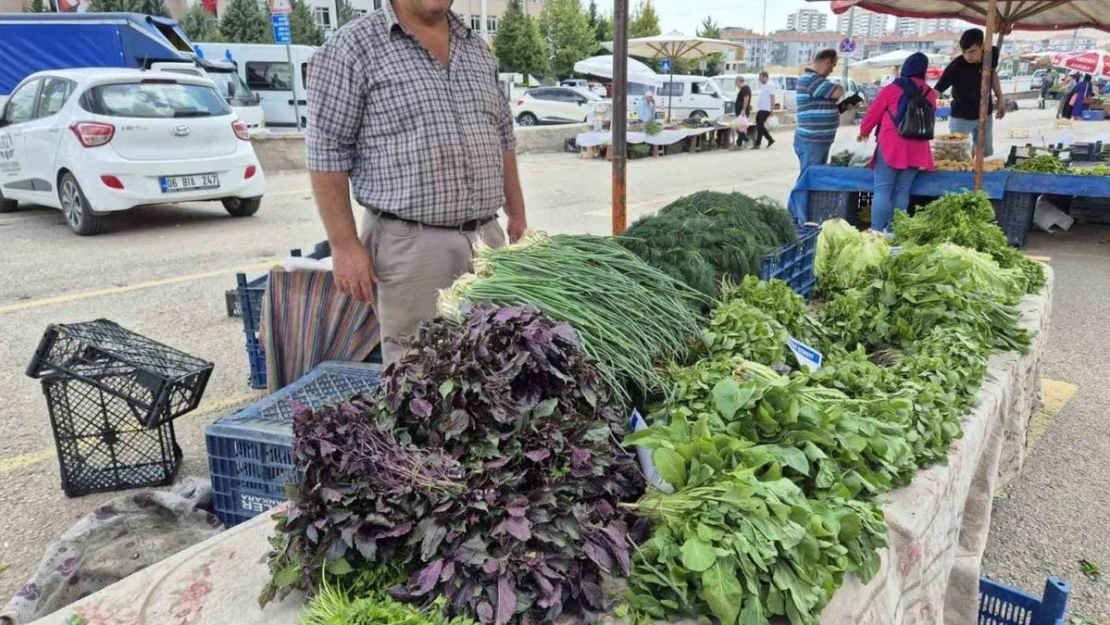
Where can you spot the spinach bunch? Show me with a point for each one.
(737, 328)
(744, 549)
(488, 469)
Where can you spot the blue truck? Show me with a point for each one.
(35, 42)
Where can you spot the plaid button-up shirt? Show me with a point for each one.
(419, 140)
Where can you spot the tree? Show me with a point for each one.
(346, 12)
(157, 8)
(302, 25)
(518, 44)
(711, 30)
(36, 6)
(199, 24)
(644, 21)
(566, 29)
(244, 22)
(114, 6)
(603, 31)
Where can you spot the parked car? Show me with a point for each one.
(694, 97)
(1035, 80)
(266, 70)
(785, 87)
(37, 42)
(97, 141)
(591, 86)
(553, 105)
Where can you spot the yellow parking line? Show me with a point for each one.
(1043, 259)
(22, 461)
(1090, 256)
(115, 290)
(1057, 394)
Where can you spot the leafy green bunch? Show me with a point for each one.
(968, 220)
(744, 549)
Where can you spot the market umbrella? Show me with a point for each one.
(1001, 17)
(674, 46)
(896, 59)
(1094, 62)
(602, 66)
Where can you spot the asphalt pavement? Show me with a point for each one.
(163, 271)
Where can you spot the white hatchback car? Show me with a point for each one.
(553, 105)
(96, 141)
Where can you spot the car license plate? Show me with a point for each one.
(176, 184)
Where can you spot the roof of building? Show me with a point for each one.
(790, 36)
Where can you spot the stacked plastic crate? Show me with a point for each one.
(112, 395)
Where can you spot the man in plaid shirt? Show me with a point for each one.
(405, 111)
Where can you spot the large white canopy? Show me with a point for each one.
(602, 66)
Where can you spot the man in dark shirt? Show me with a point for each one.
(743, 108)
(963, 76)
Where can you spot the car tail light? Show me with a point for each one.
(251, 171)
(93, 134)
(112, 182)
(241, 130)
(520, 102)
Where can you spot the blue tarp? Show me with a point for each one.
(937, 183)
(32, 43)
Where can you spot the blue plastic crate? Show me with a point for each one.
(846, 205)
(1000, 604)
(250, 452)
(793, 264)
(1094, 115)
(250, 309)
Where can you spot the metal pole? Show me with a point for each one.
(764, 17)
(620, 115)
(293, 84)
(482, 11)
(851, 33)
(984, 90)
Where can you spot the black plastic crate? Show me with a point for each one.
(158, 382)
(250, 452)
(250, 293)
(102, 446)
(1014, 214)
(846, 205)
(1089, 210)
(793, 263)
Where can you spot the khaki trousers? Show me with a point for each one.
(413, 263)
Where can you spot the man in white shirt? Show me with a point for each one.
(766, 109)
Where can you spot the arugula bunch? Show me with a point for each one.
(488, 469)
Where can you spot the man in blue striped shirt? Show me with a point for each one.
(818, 117)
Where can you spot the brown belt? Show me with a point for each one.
(466, 226)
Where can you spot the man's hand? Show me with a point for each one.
(516, 227)
(1001, 112)
(354, 273)
(863, 139)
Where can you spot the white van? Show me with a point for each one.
(265, 68)
(695, 97)
(243, 102)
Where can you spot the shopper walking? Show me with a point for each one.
(1067, 89)
(743, 110)
(964, 77)
(1079, 98)
(422, 134)
(903, 148)
(767, 98)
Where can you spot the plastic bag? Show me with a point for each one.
(1047, 216)
(852, 154)
(773, 123)
(741, 123)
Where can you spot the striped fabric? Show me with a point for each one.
(306, 320)
(818, 117)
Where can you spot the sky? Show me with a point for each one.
(686, 15)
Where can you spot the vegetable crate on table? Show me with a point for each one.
(250, 452)
(1000, 604)
(847, 205)
(249, 296)
(793, 264)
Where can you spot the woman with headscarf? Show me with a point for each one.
(1079, 100)
(897, 159)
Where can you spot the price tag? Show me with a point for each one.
(637, 423)
(895, 250)
(808, 358)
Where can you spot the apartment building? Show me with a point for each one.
(864, 24)
(790, 48)
(757, 50)
(909, 26)
(807, 21)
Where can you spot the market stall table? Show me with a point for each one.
(938, 530)
(665, 137)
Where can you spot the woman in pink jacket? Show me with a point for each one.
(897, 159)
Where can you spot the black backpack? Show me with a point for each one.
(920, 119)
